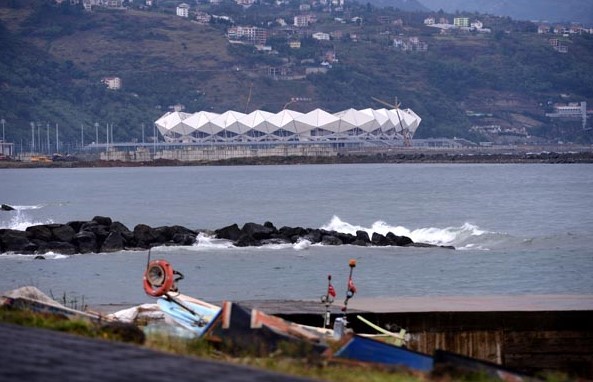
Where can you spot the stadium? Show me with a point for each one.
(319, 126)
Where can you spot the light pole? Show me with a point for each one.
(39, 137)
(32, 137)
(3, 121)
(154, 139)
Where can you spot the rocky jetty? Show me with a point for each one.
(101, 234)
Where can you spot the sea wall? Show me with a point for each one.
(218, 152)
(102, 234)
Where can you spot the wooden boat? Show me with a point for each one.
(364, 349)
(32, 299)
(245, 329)
(452, 363)
(194, 315)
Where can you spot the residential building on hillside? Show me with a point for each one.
(113, 83)
(183, 10)
(203, 17)
(412, 44)
(304, 20)
(543, 29)
(321, 36)
(114, 4)
(477, 24)
(461, 22)
(558, 46)
(253, 35)
(573, 110)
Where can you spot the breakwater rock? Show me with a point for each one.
(102, 234)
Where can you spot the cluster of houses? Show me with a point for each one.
(459, 23)
(412, 44)
(563, 30)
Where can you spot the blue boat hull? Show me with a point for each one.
(368, 350)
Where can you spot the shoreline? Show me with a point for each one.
(389, 157)
(409, 304)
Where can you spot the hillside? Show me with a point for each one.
(54, 57)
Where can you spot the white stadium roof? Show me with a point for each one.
(287, 125)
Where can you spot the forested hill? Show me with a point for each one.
(53, 59)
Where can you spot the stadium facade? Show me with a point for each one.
(288, 126)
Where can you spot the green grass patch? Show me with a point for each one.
(288, 359)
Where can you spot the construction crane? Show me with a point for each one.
(248, 98)
(405, 131)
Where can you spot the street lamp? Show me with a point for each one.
(32, 137)
(3, 121)
(39, 137)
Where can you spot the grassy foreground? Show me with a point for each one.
(283, 361)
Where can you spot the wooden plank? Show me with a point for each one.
(558, 342)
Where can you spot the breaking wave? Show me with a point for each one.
(20, 219)
(467, 236)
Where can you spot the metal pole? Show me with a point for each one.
(81, 135)
(96, 133)
(32, 137)
(39, 136)
(142, 133)
(3, 122)
(47, 127)
(57, 139)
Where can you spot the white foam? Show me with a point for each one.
(47, 256)
(205, 242)
(21, 221)
(24, 208)
(301, 245)
(429, 235)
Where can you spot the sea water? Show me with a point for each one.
(520, 229)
